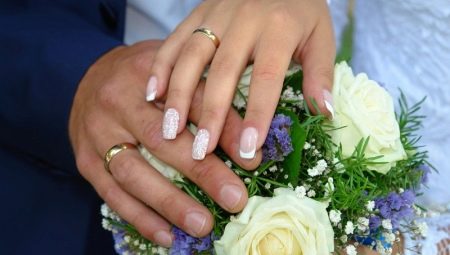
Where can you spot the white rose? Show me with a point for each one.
(282, 225)
(365, 109)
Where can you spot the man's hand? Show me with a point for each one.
(110, 108)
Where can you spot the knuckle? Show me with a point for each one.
(168, 202)
(266, 72)
(84, 161)
(153, 135)
(201, 171)
(110, 194)
(280, 14)
(324, 72)
(123, 170)
(222, 65)
(141, 62)
(193, 50)
(107, 96)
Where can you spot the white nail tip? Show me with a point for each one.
(330, 109)
(200, 144)
(247, 155)
(170, 124)
(151, 96)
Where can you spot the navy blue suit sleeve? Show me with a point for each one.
(44, 53)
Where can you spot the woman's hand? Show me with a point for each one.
(268, 33)
(109, 109)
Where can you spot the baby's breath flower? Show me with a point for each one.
(363, 223)
(344, 239)
(300, 191)
(228, 163)
(247, 180)
(311, 193)
(386, 223)
(267, 186)
(307, 146)
(335, 216)
(370, 205)
(350, 250)
(349, 228)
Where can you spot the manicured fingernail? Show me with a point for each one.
(328, 99)
(231, 196)
(151, 89)
(247, 147)
(170, 124)
(163, 238)
(195, 222)
(200, 144)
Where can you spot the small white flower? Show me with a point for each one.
(344, 238)
(307, 146)
(267, 186)
(247, 180)
(313, 172)
(311, 193)
(422, 228)
(127, 239)
(273, 169)
(300, 191)
(389, 237)
(286, 176)
(335, 216)
(142, 247)
(136, 242)
(228, 163)
(363, 223)
(349, 228)
(370, 205)
(350, 250)
(386, 223)
(105, 210)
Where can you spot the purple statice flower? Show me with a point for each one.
(120, 245)
(184, 244)
(278, 143)
(374, 222)
(396, 206)
(426, 171)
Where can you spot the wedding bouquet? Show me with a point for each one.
(324, 186)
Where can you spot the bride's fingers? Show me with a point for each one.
(229, 138)
(272, 58)
(186, 74)
(133, 211)
(223, 75)
(317, 60)
(167, 54)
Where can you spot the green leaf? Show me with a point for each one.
(291, 163)
(295, 81)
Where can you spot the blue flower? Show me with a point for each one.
(184, 244)
(396, 207)
(278, 143)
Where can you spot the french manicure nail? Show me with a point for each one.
(247, 146)
(170, 124)
(195, 221)
(163, 238)
(231, 195)
(151, 89)
(328, 100)
(200, 144)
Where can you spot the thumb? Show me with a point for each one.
(317, 59)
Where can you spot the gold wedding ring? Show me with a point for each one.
(116, 149)
(208, 33)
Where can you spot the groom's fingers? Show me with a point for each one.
(146, 221)
(211, 174)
